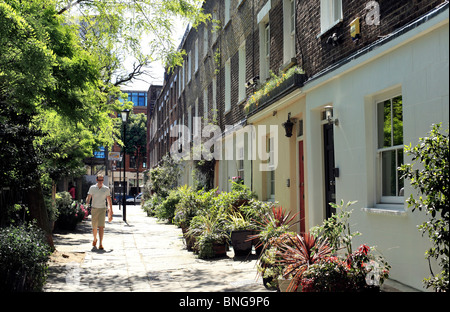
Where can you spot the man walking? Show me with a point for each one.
(99, 194)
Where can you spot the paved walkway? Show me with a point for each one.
(144, 255)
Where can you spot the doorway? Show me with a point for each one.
(330, 179)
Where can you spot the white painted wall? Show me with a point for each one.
(417, 64)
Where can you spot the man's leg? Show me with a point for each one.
(94, 231)
(100, 234)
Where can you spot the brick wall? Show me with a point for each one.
(313, 53)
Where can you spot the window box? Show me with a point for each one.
(274, 89)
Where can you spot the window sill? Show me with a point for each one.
(386, 209)
(329, 28)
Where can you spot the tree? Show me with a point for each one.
(136, 142)
(430, 177)
(68, 67)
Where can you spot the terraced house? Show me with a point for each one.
(315, 101)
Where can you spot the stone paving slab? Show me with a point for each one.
(145, 255)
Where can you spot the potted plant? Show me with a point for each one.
(241, 230)
(272, 227)
(208, 229)
(296, 253)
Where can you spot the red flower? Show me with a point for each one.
(364, 249)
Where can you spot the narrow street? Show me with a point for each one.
(143, 254)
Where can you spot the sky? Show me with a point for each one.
(156, 70)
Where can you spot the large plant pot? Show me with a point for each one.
(220, 250)
(283, 285)
(241, 245)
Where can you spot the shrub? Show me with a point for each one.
(166, 210)
(70, 213)
(24, 254)
(433, 183)
(360, 271)
(151, 205)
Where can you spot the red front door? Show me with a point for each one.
(301, 167)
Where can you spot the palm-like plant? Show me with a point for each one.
(297, 253)
(273, 225)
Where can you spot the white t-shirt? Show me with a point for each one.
(99, 195)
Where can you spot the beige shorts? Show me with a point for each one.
(98, 217)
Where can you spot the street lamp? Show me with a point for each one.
(124, 116)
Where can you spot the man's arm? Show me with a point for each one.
(110, 211)
(88, 198)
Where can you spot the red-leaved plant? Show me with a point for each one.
(297, 253)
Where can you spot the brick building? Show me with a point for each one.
(351, 70)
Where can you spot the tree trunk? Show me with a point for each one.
(35, 201)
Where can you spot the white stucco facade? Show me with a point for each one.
(415, 65)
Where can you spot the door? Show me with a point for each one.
(330, 179)
(301, 174)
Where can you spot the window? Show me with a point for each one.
(240, 162)
(214, 97)
(242, 71)
(189, 67)
(264, 50)
(330, 14)
(138, 98)
(205, 41)
(227, 12)
(267, 40)
(288, 30)
(227, 85)
(390, 148)
(270, 174)
(205, 105)
(196, 56)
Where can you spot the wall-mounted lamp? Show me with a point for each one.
(288, 126)
(329, 116)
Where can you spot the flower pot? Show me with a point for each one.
(283, 285)
(220, 250)
(267, 285)
(189, 240)
(241, 245)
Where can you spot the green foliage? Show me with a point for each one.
(164, 177)
(336, 229)
(151, 205)
(23, 258)
(360, 271)
(430, 176)
(166, 210)
(70, 213)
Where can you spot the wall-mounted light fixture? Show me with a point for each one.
(329, 116)
(288, 126)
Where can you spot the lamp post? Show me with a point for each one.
(124, 116)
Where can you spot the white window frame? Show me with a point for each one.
(189, 67)
(242, 72)
(227, 16)
(330, 14)
(288, 30)
(205, 41)
(228, 85)
(271, 172)
(205, 105)
(214, 97)
(196, 56)
(383, 199)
